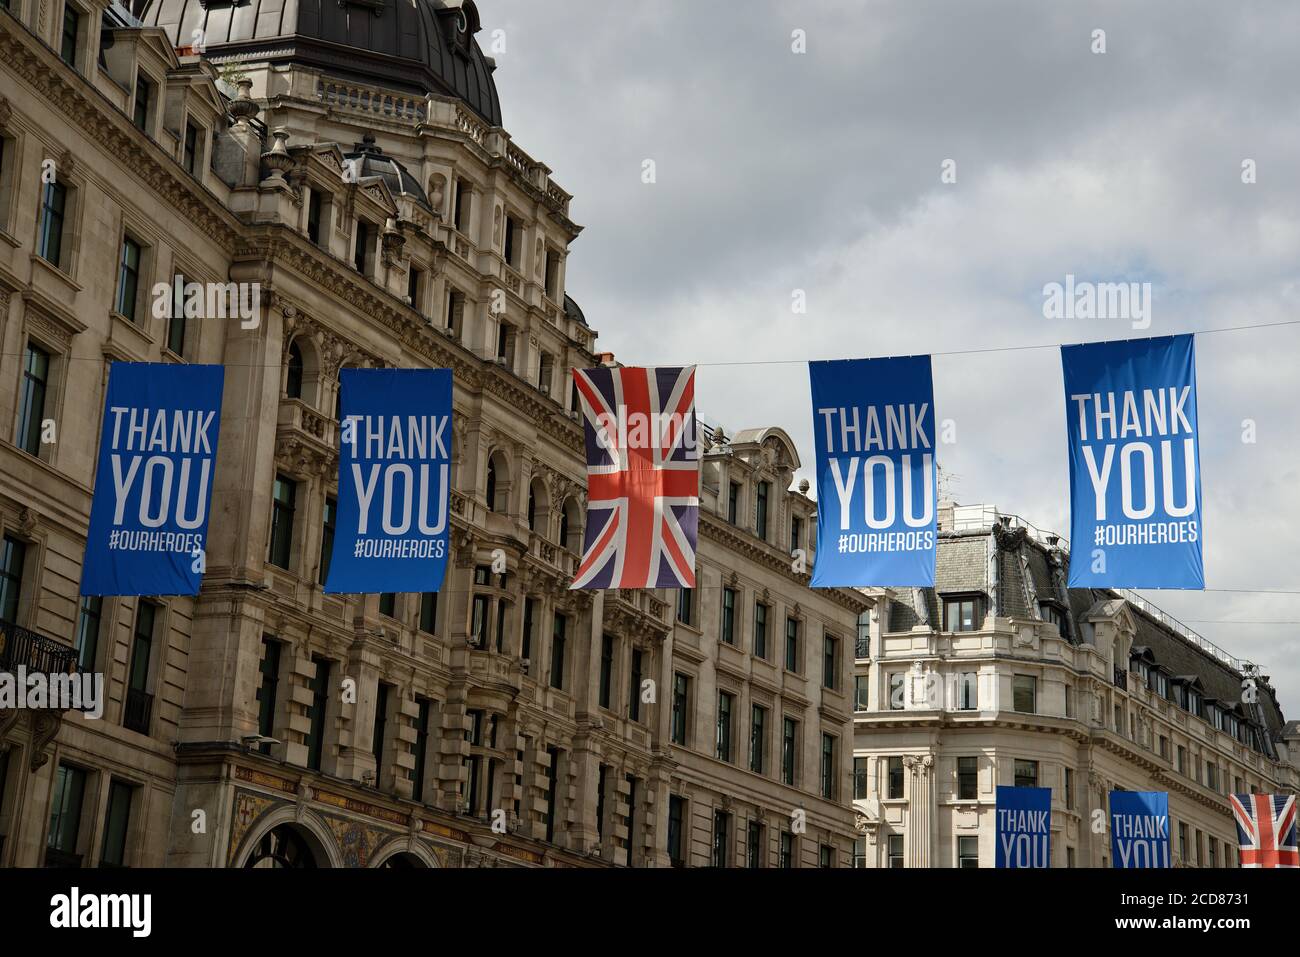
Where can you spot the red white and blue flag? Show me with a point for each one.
(643, 480)
(1266, 829)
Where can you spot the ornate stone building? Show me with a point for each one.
(350, 160)
(1000, 675)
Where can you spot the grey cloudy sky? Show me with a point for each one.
(821, 172)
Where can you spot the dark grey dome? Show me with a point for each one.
(573, 310)
(374, 162)
(419, 46)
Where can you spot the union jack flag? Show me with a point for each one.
(1266, 829)
(643, 481)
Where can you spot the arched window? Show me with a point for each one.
(570, 526)
(538, 519)
(497, 488)
(282, 846)
(293, 381)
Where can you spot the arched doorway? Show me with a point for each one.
(403, 862)
(286, 845)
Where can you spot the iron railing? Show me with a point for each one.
(35, 652)
(139, 709)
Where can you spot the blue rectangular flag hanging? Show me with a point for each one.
(1139, 828)
(394, 481)
(1135, 477)
(1024, 827)
(153, 485)
(873, 422)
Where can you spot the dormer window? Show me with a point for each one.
(143, 96)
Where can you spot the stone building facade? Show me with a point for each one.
(1001, 675)
(350, 160)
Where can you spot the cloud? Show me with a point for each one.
(820, 172)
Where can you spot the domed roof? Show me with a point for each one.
(370, 160)
(411, 45)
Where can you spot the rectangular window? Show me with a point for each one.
(13, 556)
(861, 692)
(557, 652)
(968, 778)
(511, 242)
(634, 682)
(429, 612)
(860, 852)
(316, 713)
(968, 691)
(380, 729)
(478, 628)
(894, 766)
(421, 748)
(830, 660)
(895, 850)
(65, 817)
(860, 779)
(760, 501)
(116, 821)
(552, 791)
(313, 216)
(284, 495)
(1214, 852)
(684, 603)
(792, 645)
(725, 702)
(606, 669)
(1182, 760)
(968, 851)
(681, 692)
(54, 208)
(897, 691)
(796, 532)
(31, 401)
(754, 845)
(1069, 788)
(1024, 694)
(143, 94)
(729, 615)
(602, 774)
(176, 318)
(88, 620)
(552, 273)
(139, 703)
(786, 860)
(676, 815)
(191, 153)
(757, 739)
(1026, 774)
(460, 213)
(1069, 857)
(825, 856)
(268, 684)
(828, 766)
(328, 525)
(760, 630)
(361, 251)
(388, 604)
(1182, 842)
(960, 614)
(733, 502)
(721, 833)
(68, 36)
(128, 278)
(526, 649)
(455, 309)
(789, 749)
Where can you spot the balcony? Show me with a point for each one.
(862, 647)
(139, 709)
(1121, 678)
(20, 646)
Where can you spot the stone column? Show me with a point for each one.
(920, 810)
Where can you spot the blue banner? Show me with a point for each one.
(1024, 827)
(394, 481)
(873, 422)
(153, 485)
(1139, 828)
(1135, 477)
